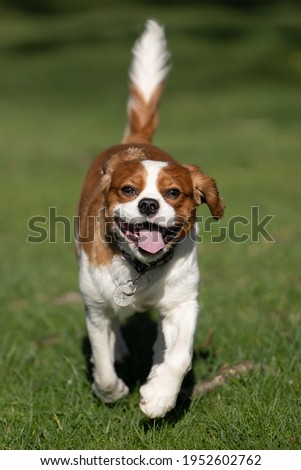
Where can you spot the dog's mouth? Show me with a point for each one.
(148, 237)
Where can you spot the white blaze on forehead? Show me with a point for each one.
(152, 169)
(166, 214)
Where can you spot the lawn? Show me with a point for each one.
(233, 106)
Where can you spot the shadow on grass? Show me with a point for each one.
(140, 333)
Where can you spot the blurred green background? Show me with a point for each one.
(233, 106)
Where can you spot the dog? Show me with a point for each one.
(137, 240)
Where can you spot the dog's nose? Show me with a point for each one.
(148, 206)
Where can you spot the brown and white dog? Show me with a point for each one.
(137, 240)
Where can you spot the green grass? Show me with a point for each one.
(233, 106)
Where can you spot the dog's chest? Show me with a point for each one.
(118, 287)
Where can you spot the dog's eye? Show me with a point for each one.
(172, 193)
(128, 190)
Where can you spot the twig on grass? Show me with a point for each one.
(224, 373)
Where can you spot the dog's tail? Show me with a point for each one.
(148, 72)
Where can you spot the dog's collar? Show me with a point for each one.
(123, 294)
(142, 268)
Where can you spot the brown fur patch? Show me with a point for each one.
(175, 176)
(143, 116)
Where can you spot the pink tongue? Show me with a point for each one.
(150, 241)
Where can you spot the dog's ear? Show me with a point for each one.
(205, 191)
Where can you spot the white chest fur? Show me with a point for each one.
(163, 285)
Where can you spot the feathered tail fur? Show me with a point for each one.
(147, 74)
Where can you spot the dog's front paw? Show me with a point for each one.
(112, 393)
(156, 400)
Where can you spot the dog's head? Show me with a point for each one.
(151, 204)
